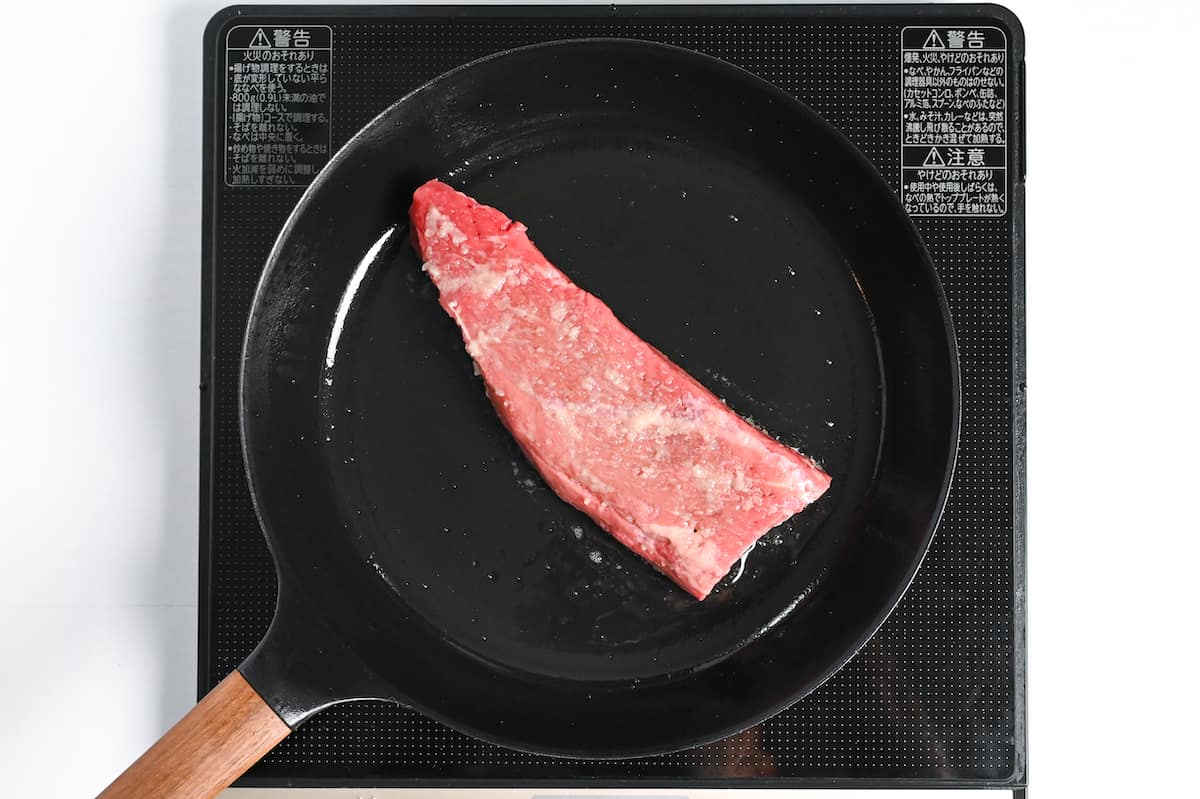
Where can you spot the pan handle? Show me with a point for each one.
(207, 749)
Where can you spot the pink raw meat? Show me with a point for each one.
(616, 428)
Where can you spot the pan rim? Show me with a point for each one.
(789, 101)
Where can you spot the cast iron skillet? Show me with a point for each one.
(421, 560)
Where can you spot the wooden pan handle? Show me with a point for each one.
(210, 747)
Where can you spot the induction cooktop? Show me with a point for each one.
(934, 95)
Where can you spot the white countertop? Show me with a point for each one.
(100, 299)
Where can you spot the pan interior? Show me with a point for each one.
(701, 248)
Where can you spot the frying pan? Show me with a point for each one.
(421, 560)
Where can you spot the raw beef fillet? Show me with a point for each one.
(614, 427)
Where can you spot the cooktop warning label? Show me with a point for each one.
(277, 104)
(954, 130)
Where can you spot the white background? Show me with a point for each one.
(99, 329)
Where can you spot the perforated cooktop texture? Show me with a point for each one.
(937, 695)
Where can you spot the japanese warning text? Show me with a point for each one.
(954, 129)
(277, 104)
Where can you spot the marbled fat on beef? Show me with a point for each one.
(615, 428)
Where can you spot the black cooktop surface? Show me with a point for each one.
(934, 96)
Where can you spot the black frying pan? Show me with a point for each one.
(421, 559)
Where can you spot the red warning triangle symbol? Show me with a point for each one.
(932, 42)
